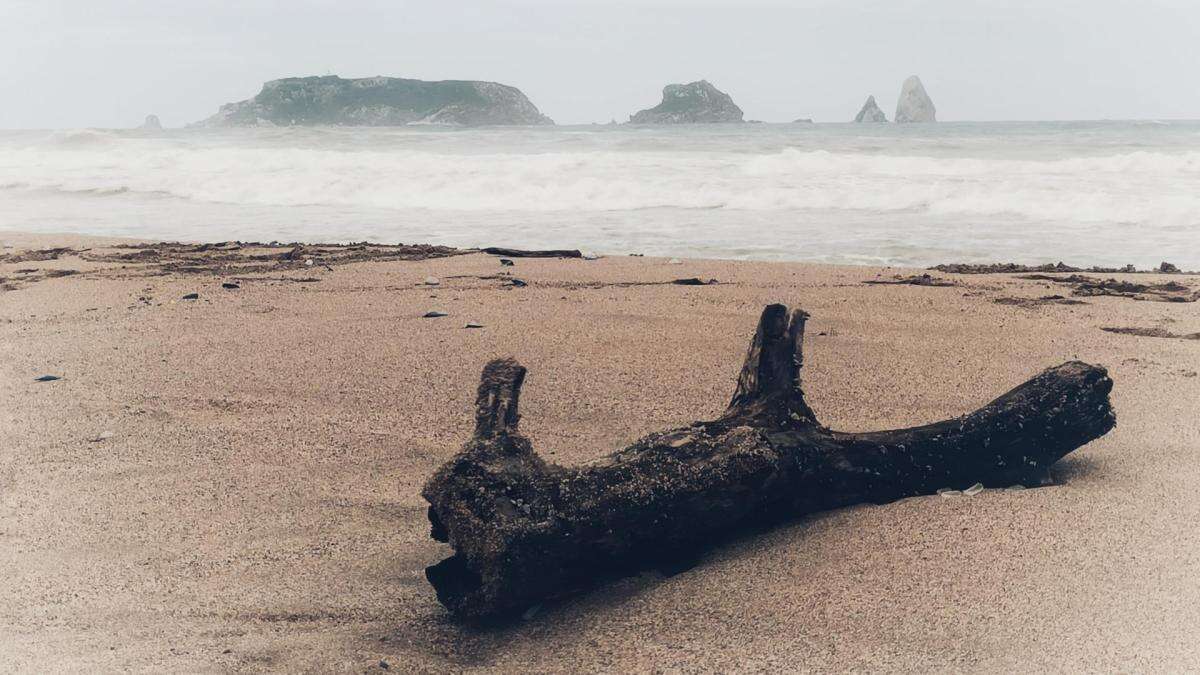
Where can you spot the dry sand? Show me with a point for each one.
(257, 505)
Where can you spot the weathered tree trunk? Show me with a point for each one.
(524, 530)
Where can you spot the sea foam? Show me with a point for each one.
(1054, 177)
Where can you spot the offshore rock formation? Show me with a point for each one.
(379, 101)
(870, 113)
(152, 123)
(694, 103)
(915, 105)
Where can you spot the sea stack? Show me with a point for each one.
(694, 103)
(915, 105)
(870, 113)
(379, 101)
(152, 123)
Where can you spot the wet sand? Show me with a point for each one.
(232, 482)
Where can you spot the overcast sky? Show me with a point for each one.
(75, 63)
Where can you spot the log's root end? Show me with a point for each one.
(524, 530)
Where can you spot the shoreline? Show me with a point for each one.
(29, 240)
(231, 482)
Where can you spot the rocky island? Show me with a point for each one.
(870, 113)
(379, 101)
(915, 104)
(693, 103)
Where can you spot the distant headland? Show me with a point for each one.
(379, 101)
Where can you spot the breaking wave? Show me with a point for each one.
(1128, 187)
(848, 194)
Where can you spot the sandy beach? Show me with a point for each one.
(232, 482)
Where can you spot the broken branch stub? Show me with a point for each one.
(524, 530)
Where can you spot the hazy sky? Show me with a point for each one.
(74, 63)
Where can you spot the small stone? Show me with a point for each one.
(518, 283)
(230, 285)
(674, 261)
(309, 262)
(973, 490)
(47, 378)
(472, 324)
(588, 255)
(505, 262)
(949, 492)
(192, 296)
(432, 281)
(384, 664)
(531, 612)
(434, 314)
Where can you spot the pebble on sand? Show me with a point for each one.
(192, 296)
(505, 262)
(230, 285)
(432, 281)
(434, 314)
(973, 490)
(472, 324)
(47, 378)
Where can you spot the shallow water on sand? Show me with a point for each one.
(1106, 193)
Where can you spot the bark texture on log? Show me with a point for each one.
(524, 530)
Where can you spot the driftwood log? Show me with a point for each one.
(522, 253)
(524, 530)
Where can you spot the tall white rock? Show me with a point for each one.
(915, 105)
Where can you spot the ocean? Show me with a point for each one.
(1087, 193)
